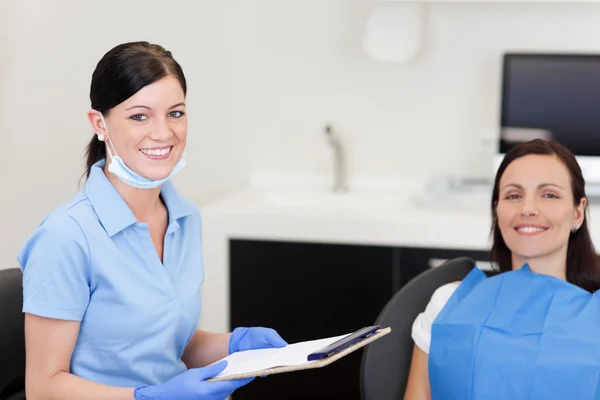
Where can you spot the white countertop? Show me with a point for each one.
(376, 218)
(370, 217)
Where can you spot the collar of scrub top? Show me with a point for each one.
(115, 215)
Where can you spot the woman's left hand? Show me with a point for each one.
(254, 338)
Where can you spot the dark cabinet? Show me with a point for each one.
(310, 291)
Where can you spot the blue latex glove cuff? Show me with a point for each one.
(145, 392)
(236, 337)
(254, 338)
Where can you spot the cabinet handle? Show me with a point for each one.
(483, 265)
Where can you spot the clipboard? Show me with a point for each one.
(379, 333)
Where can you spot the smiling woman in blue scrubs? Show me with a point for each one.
(112, 278)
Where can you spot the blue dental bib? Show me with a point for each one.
(517, 335)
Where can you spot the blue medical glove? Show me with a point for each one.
(254, 338)
(192, 385)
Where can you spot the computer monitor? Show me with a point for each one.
(553, 96)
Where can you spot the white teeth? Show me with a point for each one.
(531, 229)
(161, 152)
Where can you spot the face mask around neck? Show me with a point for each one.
(127, 175)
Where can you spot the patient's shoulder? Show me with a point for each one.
(441, 296)
(421, 329)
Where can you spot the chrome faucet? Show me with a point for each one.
(339, 161)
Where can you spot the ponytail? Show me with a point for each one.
(96, 151)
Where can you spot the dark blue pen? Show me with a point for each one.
(343, 343)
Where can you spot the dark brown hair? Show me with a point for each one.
(583, 267)
(122, 72)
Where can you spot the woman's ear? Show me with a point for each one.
(580, 213)
(96, 123)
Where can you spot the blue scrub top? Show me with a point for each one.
(91, 261)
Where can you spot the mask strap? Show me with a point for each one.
(108, 137)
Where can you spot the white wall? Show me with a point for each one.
(264, 77)
(431, 115)
(6, 196)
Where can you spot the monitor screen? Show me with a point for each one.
(552, 96)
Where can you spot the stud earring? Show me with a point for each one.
(101, 138)
(575, 228)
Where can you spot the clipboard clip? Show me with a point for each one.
(343, 343)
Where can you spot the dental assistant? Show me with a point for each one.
(112, 278)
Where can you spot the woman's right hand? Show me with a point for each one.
(192, 385)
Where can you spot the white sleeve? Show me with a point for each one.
(421, 329)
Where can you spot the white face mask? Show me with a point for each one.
(128, 176)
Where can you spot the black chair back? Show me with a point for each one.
(12, 335)
(386, 362)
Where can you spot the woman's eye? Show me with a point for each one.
(138, 117)
(512, 196)
(176, 114)
(550, 196)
